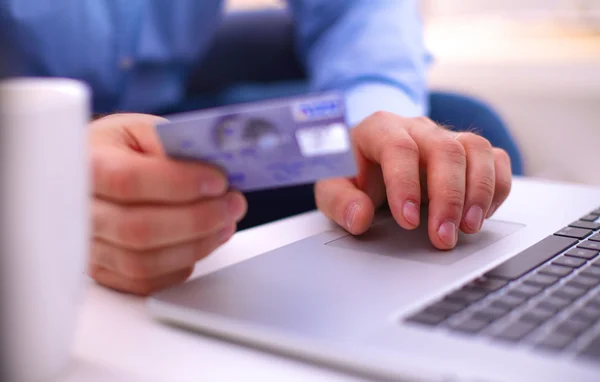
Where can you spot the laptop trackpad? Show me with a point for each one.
(388, 239)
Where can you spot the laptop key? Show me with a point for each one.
(525, 291)
(584, 281)
(490, 313)
(555, 270)
(531, 257)
(426, 318)
(591, 272)
(587, 225)
(508, 302)
(576, 233)
(486, 284)
(587, 314)
(553, 304)
(516, 331)
(592, 350)
(466, 296)
(555, 341)
(568, 261)
(589, 218)
(593, 245)
(541, 280)
(569, 292)
(594, 301)
(572, 327)
(596, 262)
(596, 237)
(471, 325)
(446, 308)
(582, 253)
(537, 316)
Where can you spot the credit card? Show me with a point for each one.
(270, 144)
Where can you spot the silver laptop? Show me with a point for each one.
(519, 301)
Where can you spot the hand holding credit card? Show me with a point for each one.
(267, 144)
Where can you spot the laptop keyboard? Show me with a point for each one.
(547, 296)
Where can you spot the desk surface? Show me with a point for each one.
(118, 341)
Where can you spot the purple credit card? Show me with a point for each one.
(267, 144)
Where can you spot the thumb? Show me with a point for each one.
(341, 201)
(129, 131)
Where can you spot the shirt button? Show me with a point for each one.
(126, 63)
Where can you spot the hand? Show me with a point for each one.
(411, 161)
(153, 218)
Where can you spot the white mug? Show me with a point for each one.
(44, 222)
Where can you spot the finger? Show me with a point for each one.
(446, 163)
(481, 179)
(341, 201)
(382, 139)
(151, 227)
(142, 287)
(127, 176)
(370, 180)
(503, 179)
(140, 265)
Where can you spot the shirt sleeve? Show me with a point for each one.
(373, 50)
(84, 40)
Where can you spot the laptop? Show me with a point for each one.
(518, 301)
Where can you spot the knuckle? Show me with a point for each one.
(501, 155)
(133, 229)
(453, 197)
(424, 121)
(143, 287)
(382, 116)
(405, 145)
(101, 218)
(384, 120)
(485, 185)
(209, 215)
(503, 186)
(410, 186)
(138, 266)
(453, 150)
(116, 179)
(476, 142)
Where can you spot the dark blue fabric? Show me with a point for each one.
(462, 113)
(252, 58)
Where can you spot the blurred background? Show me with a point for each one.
(537, 62)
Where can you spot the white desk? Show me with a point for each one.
(116, 334)
(117, 340)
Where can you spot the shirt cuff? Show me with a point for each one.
(365, 99)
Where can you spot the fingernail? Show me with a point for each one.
(350, 214)
(492, 210)
(411, 213)
(474, 218)
(213, 187)
(226, 233)
(235, 206)
(448, 233)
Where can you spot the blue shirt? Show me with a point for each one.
(135, 54)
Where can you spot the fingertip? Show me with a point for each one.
(411, 214)
(359, 216)
(443, 233)
(472, 220)
(213, 186)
